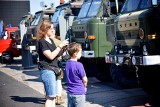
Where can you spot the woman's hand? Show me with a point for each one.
(64, 43)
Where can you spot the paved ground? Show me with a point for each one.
(99, 94)
(16, 94)
(30, 77)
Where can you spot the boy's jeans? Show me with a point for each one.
(76, 100)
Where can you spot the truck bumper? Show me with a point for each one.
(19, 46)
(134, 60)
(88, 54)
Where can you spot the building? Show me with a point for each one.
(11, 11)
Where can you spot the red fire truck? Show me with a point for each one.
(8, 42)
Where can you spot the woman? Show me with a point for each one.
(48, 53)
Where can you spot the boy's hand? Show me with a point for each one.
(85, 89)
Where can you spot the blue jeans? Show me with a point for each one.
(76, 100)
(50, 83)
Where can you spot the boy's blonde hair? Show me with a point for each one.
(73, 48)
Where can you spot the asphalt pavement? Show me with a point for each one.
(22, 85)
(16, 94)
(32, 88)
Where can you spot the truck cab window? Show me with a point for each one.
(130, 6)
(145, 4)
(62, 12)
(94, 8)
(84, 9)
(158, 2)
(12, 35)
(58, 12)
(36, 19)
(55, 16)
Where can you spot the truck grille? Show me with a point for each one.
(129, 40)
(127, 35)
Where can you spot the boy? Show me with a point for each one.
(76, 77)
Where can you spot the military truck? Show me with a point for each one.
(27, 19)
(89, 29)
(22, 28)
(135, 56)
(8, 41)
(29, 41)
(65, 11)
(38, 17)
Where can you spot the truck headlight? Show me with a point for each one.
(152, 36)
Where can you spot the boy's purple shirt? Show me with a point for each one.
(74, 74)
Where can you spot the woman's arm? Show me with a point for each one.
(51, 55)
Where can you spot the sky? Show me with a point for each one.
(35, 4)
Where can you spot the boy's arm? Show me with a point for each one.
(85, 81)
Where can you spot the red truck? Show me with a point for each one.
(8, 47)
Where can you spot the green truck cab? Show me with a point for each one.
(135, 56)
(89, 29)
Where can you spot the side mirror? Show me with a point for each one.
(154, 3)
(67, 11)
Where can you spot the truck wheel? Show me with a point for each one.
(7, 57)
(149, 79)
(124, 75)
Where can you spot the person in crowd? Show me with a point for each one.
(48, 53)
(76, 77)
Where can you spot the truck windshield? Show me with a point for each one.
(94, 8)
(36, 19)
(133, 5)
(55, 16)
(130, 5)
(23, 21)
(58, 12)
(84, 9)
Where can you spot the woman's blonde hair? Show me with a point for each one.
(43, 28)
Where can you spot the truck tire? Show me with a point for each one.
(124, 75)
(149, 79)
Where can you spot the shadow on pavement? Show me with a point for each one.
(28, 99)
(34, 80)
(33, 73)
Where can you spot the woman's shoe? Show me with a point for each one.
(59, 100)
